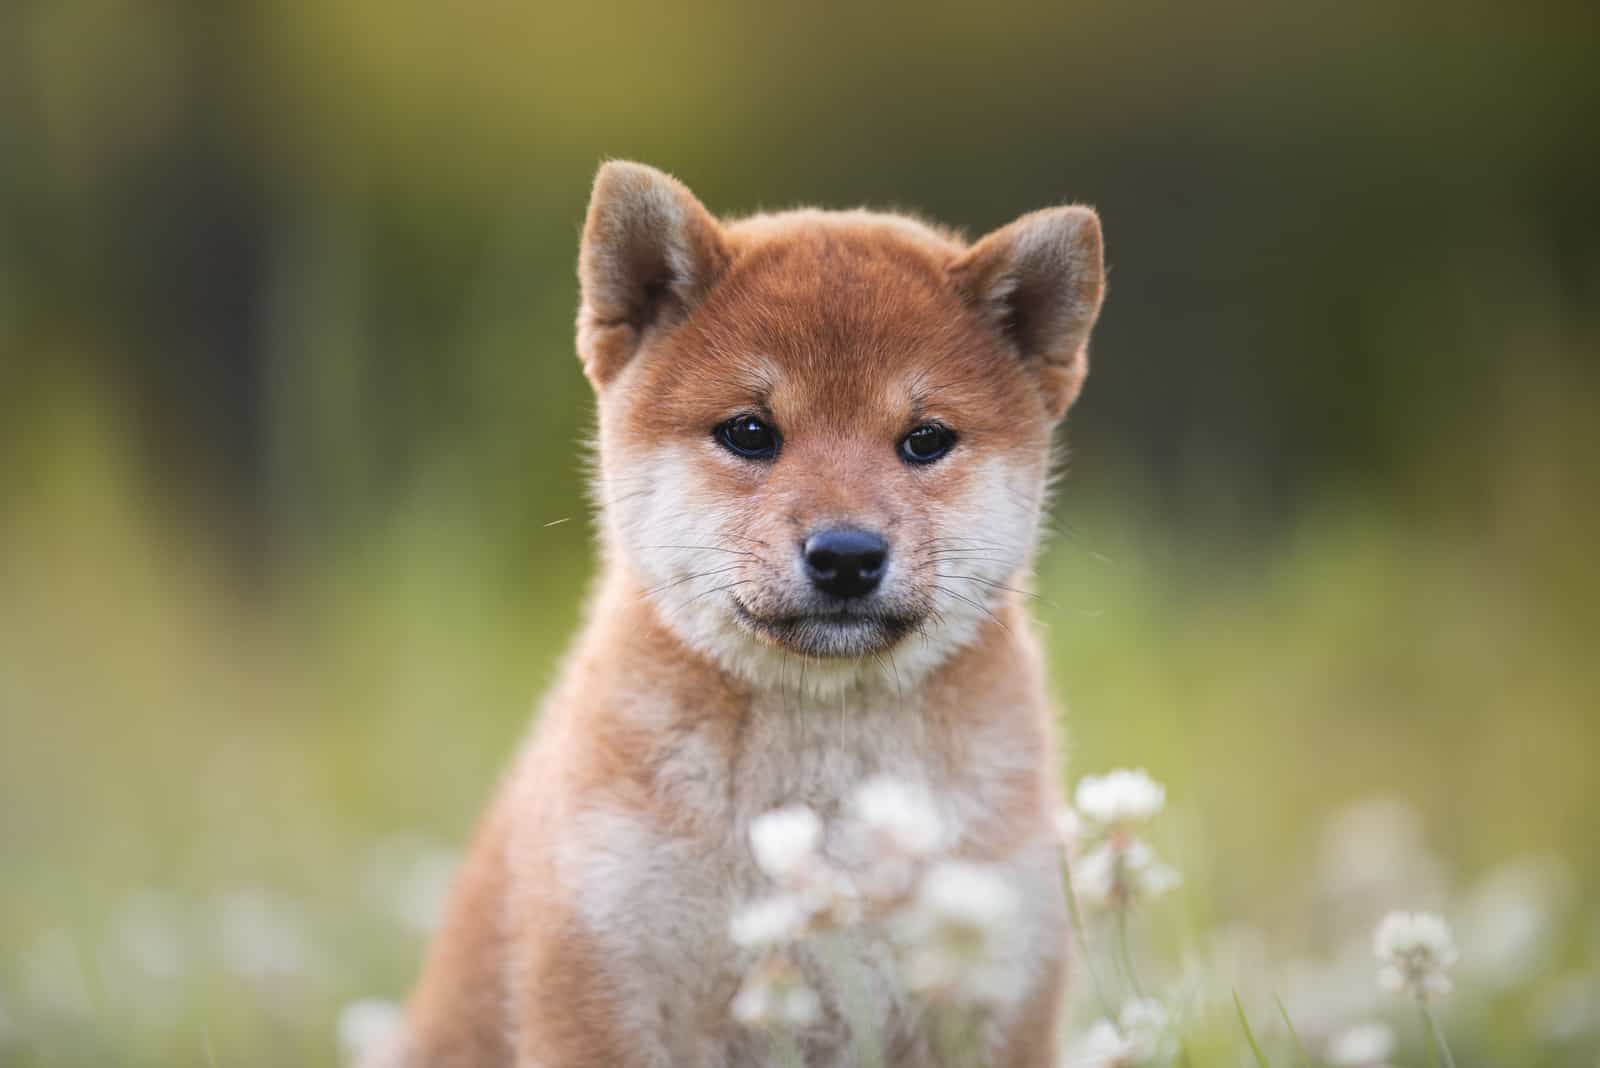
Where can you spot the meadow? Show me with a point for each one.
(226, 819)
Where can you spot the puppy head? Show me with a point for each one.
(826, 433)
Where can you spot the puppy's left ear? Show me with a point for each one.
(1040, 281)
(650, 253)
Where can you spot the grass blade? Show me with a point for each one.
(1294, 1036)
(1250, 1036)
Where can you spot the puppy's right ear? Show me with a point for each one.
(650, 253)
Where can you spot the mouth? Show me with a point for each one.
(842, 633)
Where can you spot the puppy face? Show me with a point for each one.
(825, 434)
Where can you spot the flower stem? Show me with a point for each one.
(1076, 919)
(1124, 945)
(1435, 1034)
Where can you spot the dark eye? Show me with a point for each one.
(927, 443)
(747, 436)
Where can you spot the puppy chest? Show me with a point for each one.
(659, 888)
(661, 906)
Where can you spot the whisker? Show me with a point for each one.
(899, 690)
(976, 604)
(705, 593)
(691, 578)
(987, 582)
(719, 589)
(890, 668)
(706, 548)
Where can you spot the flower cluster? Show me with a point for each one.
(1142, 1035)
(1121, 797)
(948, 933)
(880, 870)
(1365, 1045)
(1115, 869)
(1415, 948)
(776, 995)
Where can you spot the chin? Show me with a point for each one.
(829, 635)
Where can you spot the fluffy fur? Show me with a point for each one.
(589, 925)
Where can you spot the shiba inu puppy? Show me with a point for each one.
(823, 446)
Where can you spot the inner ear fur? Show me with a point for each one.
(650, 252)
(1040, 280)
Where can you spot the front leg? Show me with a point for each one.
(457, 1014)
(574, 1009)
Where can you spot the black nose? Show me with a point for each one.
(844, 562)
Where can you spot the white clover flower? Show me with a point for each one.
(771, 921)
(1118, 874)
(1374, 849)
(776, 995)
(1366, 1045)
(1509, 921)
(409, 877)
(1415, 949)
(972, 896)
(264, 936)
(1094, 877)
(1068, 824)
(894, 829)
(785, 841)
(1140, 1038)
(899, 815)
(951, 930)
(1120, 797)
(1102, 1046)
(1146, 1028)
(150, 931)
(365, 1025)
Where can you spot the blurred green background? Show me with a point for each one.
(289, 425)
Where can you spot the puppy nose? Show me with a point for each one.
(845, 562)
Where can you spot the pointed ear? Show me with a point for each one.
(650, 252)
(1040, 280)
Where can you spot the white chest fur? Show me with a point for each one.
(659, 894)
